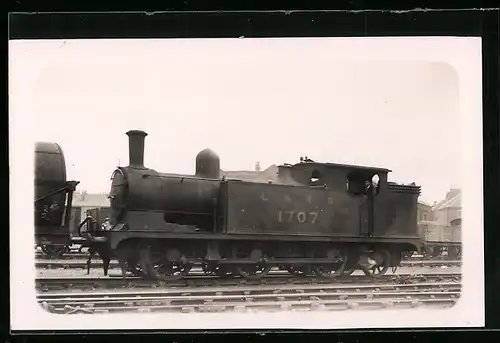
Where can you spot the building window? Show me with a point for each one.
(425, 217)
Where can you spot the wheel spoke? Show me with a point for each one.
(254, 271)
(334, 270)
(299, 270)
(159, 267)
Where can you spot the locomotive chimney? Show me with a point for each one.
(136, 148)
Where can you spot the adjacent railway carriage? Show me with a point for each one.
(310, 218)
(439, 238)
(53, 196)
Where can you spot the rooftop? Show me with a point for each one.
(453, 200)
(250, 174)
(424, 205)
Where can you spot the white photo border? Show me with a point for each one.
(462, 53)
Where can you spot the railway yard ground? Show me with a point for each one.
(64, 287)
(279, 297)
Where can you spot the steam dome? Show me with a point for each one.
(207, 164)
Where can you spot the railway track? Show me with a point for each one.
(252, 297)
(68, 256)
(68, 264)
(44, 284)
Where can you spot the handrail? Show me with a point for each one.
(70, 186)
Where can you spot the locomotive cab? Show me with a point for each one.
(382, 208)
(359, 187)
(337, 176)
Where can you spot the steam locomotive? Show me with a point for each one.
(315, 218)
(53, 197)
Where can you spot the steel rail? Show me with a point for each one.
(331, 305)
(258, 298)
(193, 282)
(249, 290)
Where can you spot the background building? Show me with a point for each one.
(425, 212)
(450, 208)
(83, 201)
(269, 173)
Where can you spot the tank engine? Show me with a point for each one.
(53, 197)
(310, 218)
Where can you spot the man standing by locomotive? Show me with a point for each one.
(106, 225)
(369, 189)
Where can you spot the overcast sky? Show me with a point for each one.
(248, 100)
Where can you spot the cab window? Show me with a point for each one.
(358, 183)
(315, 179)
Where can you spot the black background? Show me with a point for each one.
(349, 18)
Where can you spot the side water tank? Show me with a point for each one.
(207, 164)
(50, 176)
